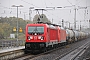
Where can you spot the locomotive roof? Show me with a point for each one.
(48, 23)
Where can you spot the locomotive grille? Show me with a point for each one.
(35, 46)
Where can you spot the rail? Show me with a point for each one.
(75, 54)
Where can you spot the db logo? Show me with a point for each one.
(35, 37)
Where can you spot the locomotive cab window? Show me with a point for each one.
(35, 29)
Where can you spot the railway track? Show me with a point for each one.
(75, 53)
(77, 49)
(30, 56)
(11, 54)
(55, 54)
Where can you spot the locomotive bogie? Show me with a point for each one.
(30, 46)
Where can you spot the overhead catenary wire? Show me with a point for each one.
(8, 12)
(78, 2)
(45, 5)
(6, 7)
(39, 7)
(29, 3)
(69, 2)
(51, 13)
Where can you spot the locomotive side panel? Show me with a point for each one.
(53, 35)
(62, 36)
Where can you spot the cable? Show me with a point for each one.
(54, 15)
(78, 2)
(80, 14)
(38, 7)
(69, 2)
(45, 3)
(5, 7)
(29, 3)
(50, 2)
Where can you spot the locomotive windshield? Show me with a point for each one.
(35, 29)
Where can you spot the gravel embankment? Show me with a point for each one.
(61, 51)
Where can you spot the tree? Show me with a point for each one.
(4, 30)
(7, 29)
(8, 23)
(1, 32)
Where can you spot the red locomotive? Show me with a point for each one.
(42, 36)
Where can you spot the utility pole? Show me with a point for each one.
(52, 20)
(75, 20)
(62, 23)
(69, 25)
(89, 23)
(80, 25)
(17, 18)
(24, 15)
(30, 11)
(29, 14)
(75, 12)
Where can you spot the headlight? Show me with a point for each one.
(41, 37)
(30, 37)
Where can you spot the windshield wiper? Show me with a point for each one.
(35, 30)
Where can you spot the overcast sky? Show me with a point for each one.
(57, 15)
